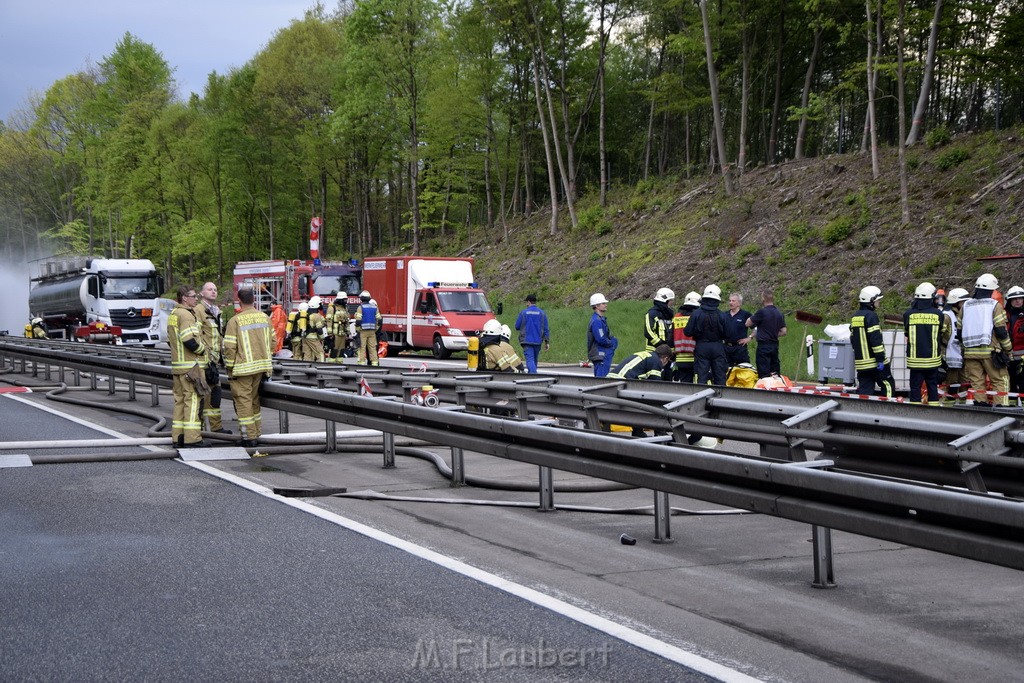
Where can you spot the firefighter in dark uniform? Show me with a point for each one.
(658, 324)
(923, 324)
(868, 350)
(707, 326)
(645, 364)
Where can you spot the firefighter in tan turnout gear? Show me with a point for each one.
(986, 342)
(316, 331)
(208, 314)
(188, 363)
(248, 346)
(368, 321)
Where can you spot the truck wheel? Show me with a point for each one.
(440, 352)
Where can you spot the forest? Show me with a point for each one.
(419, 126)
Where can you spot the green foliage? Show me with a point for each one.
(837, 230)
(952, 158)
(592, 221)
(937, 137)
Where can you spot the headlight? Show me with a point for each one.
(454, 332)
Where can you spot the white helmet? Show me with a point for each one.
(957, 295)
(925, 290)
(987, 281)
(713, 292)
(598, 298)
(691, 299)
(870, 295)
(506, 332)
(37, 321)
(492, 326)
(373, 302)
(303, 307)
(1015, 292)
(364, 295)
(315, 302)
(340, 296)
(664, 294)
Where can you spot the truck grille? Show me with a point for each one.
(135, 321)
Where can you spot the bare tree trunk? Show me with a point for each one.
(904, 192)
(744, 101)
(649, 144)
(567, 184)
(773, 136)
(552, 179)
(926, 79)
(602, 153)
(801, 133)
(872, 131)
(716, 108)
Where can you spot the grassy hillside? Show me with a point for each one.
(815, 231)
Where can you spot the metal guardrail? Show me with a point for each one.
(978, 526)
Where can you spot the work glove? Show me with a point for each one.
(881, 367)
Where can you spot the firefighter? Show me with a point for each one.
(658, 323)
(279, 321)
(36, 329)
(498, 354)
(707, 326)
(248, 345)
(682, 343)
(924, 325)
(952, 352)
(368, 321)
(1015, 321)
(208, 314)
(868, 350)
(337, 322)
(986, 342)
(316, 330)
(645, 364)
(187, 355)
(295, 329)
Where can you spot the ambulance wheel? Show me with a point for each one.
(440, 352)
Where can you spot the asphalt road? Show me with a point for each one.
(157, 571)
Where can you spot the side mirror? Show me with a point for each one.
(501, 308)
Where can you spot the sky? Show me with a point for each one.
(42, 41)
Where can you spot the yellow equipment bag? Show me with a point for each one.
(742, 375)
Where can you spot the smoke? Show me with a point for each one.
(14, 276)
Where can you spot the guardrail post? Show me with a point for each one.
(332, 437)
(131, 388)
(46, 371)
(389, 450)
(112, 384)
(154, 395)
(282, 421)
(35, 369)
(77, 377)
(821, 539)
(458, 468)
(662, 517)
(92, 381)
(547, 490)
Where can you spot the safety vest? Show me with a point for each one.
(683, 343)
(248, 344)
(368, 317)
(954, 354)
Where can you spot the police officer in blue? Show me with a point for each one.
(707, 326)
(601, 344)
(532, 324)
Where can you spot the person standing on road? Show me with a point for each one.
(1015, 322)
(923, 325)
(210, 328)
(737, 332)
(658, 324)
(684, 345)
(188, 355)
(601, 344)
(868, 348)
(986, 343)
(248, 346)
(368, 321)
(707, 327)
(953, 354)
(771, 325)
(316, 330)
(532, 324)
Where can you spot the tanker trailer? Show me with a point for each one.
(98, 299)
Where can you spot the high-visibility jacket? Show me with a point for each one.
(209, 329)
(185, 340)
(983, 328)
(682, 343)
(923, 324)
(501, 357)
(642, 365)
(657, 323)
(367, 317)
(866, 339)
(248, 344)
(953, 353)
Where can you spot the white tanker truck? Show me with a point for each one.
(97, 299)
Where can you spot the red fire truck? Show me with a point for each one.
(275, 282)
